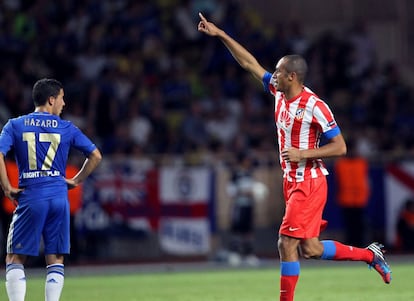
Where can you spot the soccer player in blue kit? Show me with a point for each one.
(41, 142)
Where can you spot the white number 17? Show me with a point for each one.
(53, 139)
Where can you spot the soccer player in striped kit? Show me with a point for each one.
(41, 142)
(301, 118)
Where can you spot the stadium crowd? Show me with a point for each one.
(140, 78)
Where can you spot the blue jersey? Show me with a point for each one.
(41, 143)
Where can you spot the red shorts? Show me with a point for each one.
(305, 202)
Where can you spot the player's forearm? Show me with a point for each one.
(88, 167)
(4, 180)
(327, 151)
(245, 59)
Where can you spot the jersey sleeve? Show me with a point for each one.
(81, 142)
(268, 84)
(6, 138)
(324, 117)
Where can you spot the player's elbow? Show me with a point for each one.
(250, 65)
(339, 146)
(96, 156)
(342, 150)
(246, 65)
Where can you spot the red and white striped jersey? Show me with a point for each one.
(300, 123)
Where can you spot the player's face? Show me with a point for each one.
(59, 103)
(280, 76)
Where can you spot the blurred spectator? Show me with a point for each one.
(193, 127)
(118, 141)
(353, 191)
(367, 142)
(75, 114)
(185, 18)
(138, 159)
(138, 124)
(362, 54)
(91, 63)
(298, 42)
(222, 126)
(405, 227)
(241, 194)
(160, 135)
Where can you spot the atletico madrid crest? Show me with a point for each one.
(300, 113)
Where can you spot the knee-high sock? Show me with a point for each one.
(15, 282)
(54, 281)
(289, 275)
(333, 250)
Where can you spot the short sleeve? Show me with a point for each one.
(81, 142)
(324, 117)
(6, 138)
(267, 83)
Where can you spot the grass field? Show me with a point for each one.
(331, 282)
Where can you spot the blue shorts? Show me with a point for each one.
(41, 213)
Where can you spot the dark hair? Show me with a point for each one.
(45, 88)
(296, 63)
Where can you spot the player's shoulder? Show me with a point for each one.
(66, 122)
(309, 92)
(68, 127)
(312, 95)
(17, 120)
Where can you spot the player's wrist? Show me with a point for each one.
(7, 188)
(221, 34)
(303, 154)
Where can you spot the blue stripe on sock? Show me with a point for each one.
(12, 266)
(329, 249)
(289, 268)
(56, 268)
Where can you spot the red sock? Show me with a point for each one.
(287, 287)
(345, 252)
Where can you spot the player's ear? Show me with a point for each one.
(51, 100)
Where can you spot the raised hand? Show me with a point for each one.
(207, 27)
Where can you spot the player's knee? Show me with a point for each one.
(279, 243)
(311, 252)
(308, 253)
(15, 258)
(283, 243)
(287, 245)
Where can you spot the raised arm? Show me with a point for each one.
(245, 59)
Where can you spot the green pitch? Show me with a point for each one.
(325, 282)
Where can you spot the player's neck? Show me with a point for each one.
(293, 92)
(42, 109)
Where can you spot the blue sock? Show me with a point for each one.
(288, 268)
(329, 249)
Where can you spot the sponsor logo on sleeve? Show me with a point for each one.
(331, 123)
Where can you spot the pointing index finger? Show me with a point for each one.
(202, 17)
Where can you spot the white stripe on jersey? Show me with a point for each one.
(301, 117)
